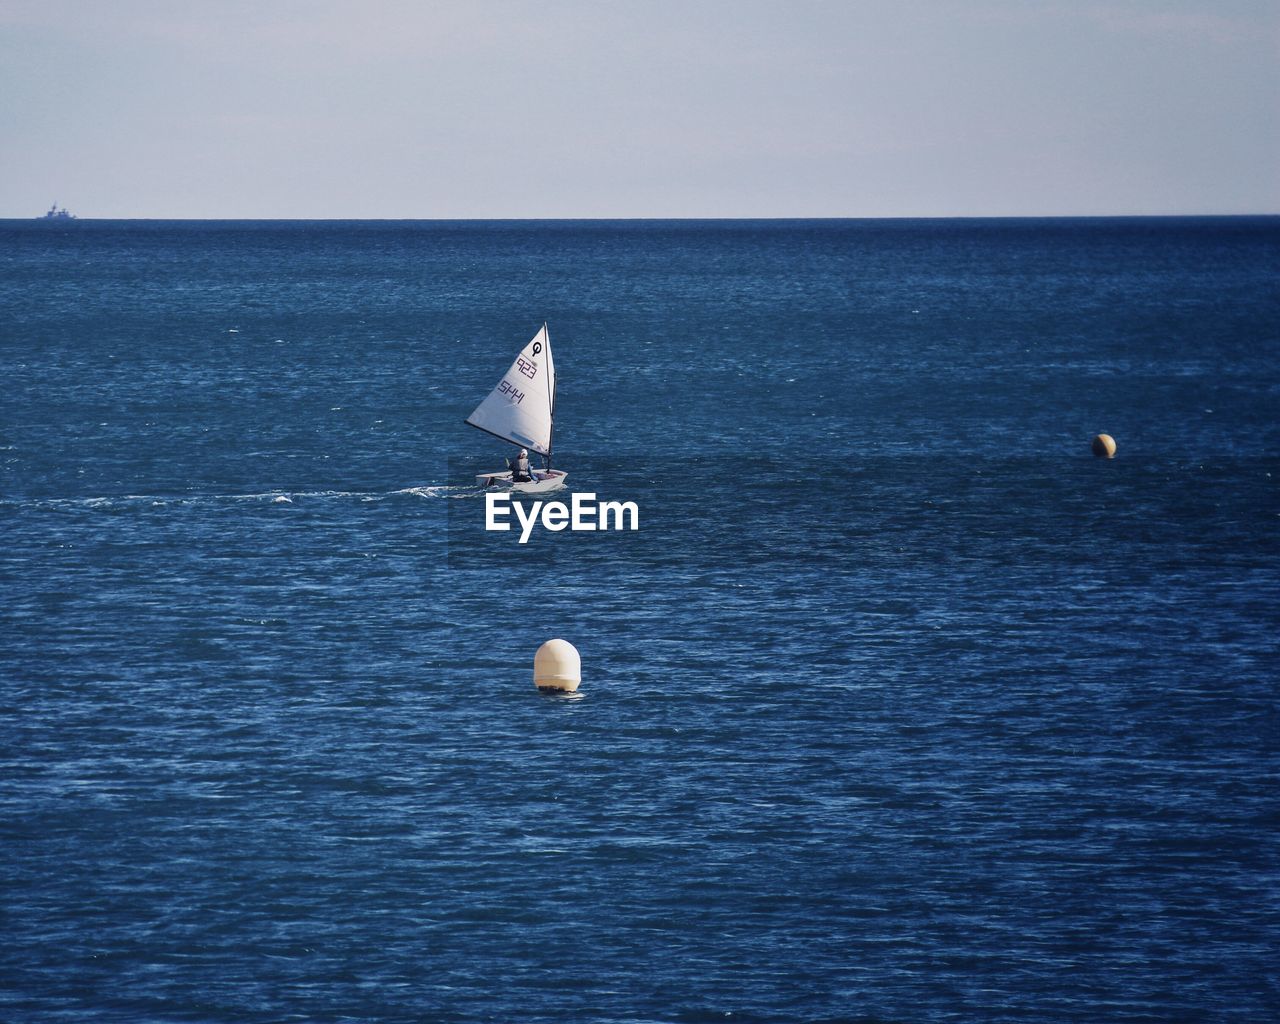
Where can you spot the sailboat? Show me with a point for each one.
(520, 411)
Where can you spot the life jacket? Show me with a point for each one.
(522, 468)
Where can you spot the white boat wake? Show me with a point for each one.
(278, 497)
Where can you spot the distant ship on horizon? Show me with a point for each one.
(56, 214)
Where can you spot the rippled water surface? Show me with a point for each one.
(899, 706)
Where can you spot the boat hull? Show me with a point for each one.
(543, 481)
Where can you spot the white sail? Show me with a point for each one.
(519, 408)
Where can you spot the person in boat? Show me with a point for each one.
(520, 468)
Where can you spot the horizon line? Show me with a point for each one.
(531, 220)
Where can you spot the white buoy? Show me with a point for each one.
(557, 667)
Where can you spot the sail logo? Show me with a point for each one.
(583, 514)
(513, 396)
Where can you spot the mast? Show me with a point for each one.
(551, 396)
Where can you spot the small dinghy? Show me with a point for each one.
(521, 411)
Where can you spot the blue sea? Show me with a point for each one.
(899, 705)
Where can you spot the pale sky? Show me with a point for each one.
(647, 108)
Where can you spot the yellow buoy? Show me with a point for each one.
(557, 667)
(1104, 446)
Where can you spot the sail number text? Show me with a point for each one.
(509, 389)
